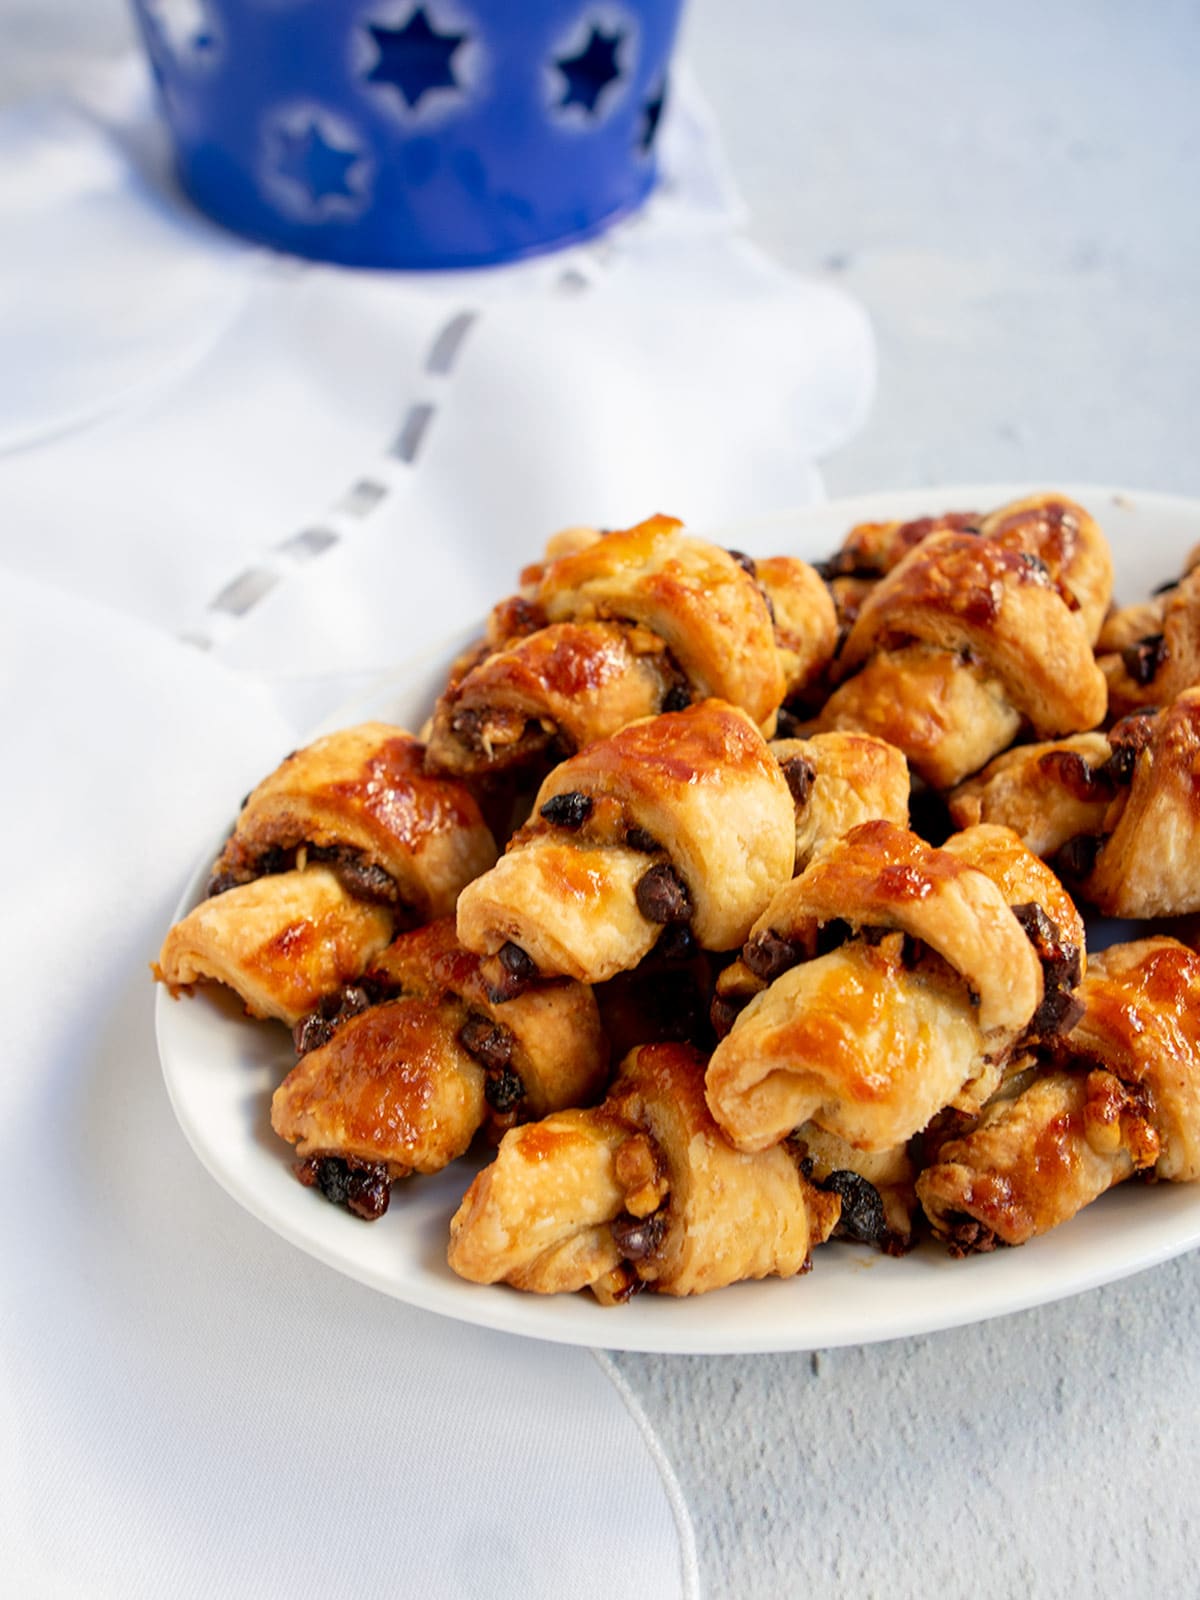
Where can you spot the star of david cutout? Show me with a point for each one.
(651, 117)
(590, 71)
(415, 60)
(321, 169)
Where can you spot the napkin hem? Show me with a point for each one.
(688, 1560)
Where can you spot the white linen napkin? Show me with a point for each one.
(189, 1406)
(354, 463)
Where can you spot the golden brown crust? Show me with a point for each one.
(883, 876)
(954, 956)
(280, 942)
(1150, 654)
(1068, 541)
(982, 596)
(1034, 1161)
(541, 1216)
(553, 1038)
(947, 715)
(695, 794)
(806, 623)
(564, 685)
(1048, 793)
(695, 596)
(838, 780)
(1142, 1023)
(1149, 865)
(851, 1041)
(392, 1085)
(365, 790)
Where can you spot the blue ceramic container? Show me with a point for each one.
(383, 133)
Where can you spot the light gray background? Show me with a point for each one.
(1012, 193)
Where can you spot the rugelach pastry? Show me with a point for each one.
(625, 625)
(681, 826)
(642, 1192)
(891, 979)
(399, 1072)
(1117, 1096)
(973, 636)
(346, 842)
(1115, 813)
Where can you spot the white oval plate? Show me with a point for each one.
(221, 1069)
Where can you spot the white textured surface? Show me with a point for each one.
(1012, 193)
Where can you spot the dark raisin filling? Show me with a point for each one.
(833, 935)
(568, 810)
(862, 1217)
(800, 775)
(332, 1010)
(723, 1015)
(1078, 856)
(1144, 657)
(489, 1043)
(677, 698)
(503, 1089)
(662, 896)
(969, 1237)
(362, 1187)
(517, 963)
(744, 561)
(639, 1237)
(1062, 969)
(641, 841)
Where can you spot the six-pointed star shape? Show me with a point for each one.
(590, 72)
(415, 59)
(320, 168)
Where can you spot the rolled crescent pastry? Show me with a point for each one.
(893, 979)
(971, 635)
(362, 800)
(643, 1192)
(838, 780)
(619, 627)
(346, 841)
(279, 942)
(399, 1074)
(681, 819)
(1115, 813)
(1118, 1095)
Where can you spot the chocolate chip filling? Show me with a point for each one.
(662, 896)
(362, 1187)
(567, 810)
(639, 1237)
(517, 963)
(677, 698)
(800, 775)
(746, 562)
(1144, 657)
(641, 841)
(769, 954)
(1127, 739)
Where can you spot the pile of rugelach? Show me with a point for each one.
(737, 905)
